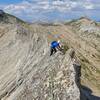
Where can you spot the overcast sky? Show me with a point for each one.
(49, 10)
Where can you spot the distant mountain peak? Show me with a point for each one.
(8, 18)
(85, 18)
(1, 12)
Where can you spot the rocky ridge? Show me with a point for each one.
(27, 72)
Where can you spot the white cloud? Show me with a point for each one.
(41, 5)
(15, 8)
(46, 5)
(88, 5)
(34, 7)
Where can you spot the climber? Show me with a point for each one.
(55, 45)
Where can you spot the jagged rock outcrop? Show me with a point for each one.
(86, 39)
(27, 72)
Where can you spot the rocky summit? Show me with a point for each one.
(28, 72)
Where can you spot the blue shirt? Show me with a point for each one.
(54, 44)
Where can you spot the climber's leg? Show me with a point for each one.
(55, 50)
(51, 51)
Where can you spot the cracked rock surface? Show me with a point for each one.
(27, 72)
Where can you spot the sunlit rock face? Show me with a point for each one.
(28, 72)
